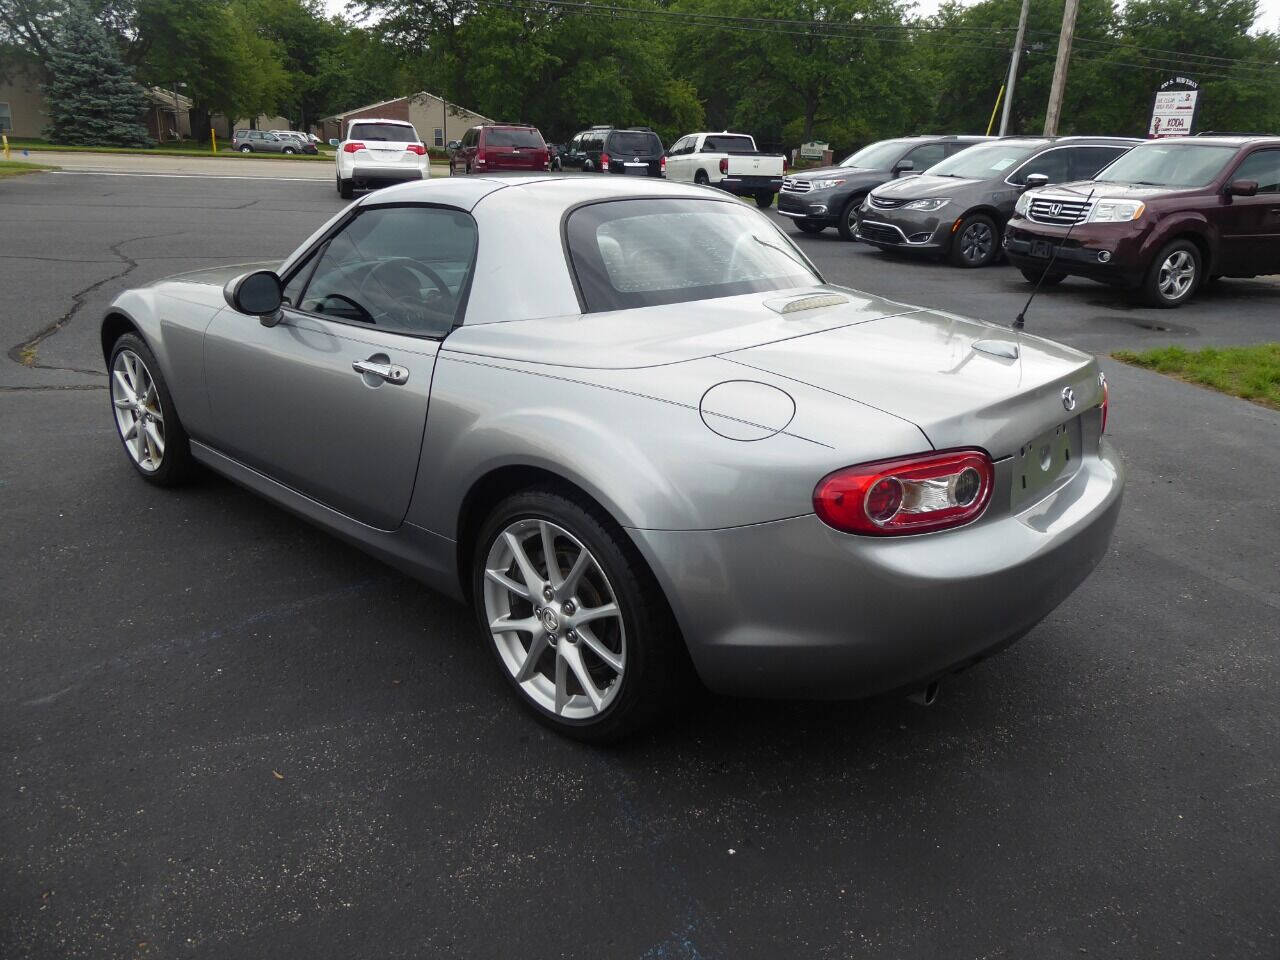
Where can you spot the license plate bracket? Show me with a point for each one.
(1042, 463)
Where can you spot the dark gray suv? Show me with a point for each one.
(958, 208)
(831, 196)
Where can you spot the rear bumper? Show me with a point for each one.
(746, 186)
(1112, 253)
(794, 608)
(368, 174)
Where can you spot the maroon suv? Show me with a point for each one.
(1159, 220)
(500, 147)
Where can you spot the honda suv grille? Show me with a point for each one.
(1064, 213)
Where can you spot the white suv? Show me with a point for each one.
(378, 152)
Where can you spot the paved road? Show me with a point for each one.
(225, 734)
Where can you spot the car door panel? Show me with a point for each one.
(1250, 226)
(287, 401)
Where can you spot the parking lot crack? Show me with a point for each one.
(27, 352)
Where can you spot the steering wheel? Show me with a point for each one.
(398, 279)
(366, 316)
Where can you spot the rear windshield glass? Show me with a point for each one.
(985, 161)
(641, 253)
(395, 132)
(878, 156)
(635, 143)
(1169, 165)
(513, 138)
(723, 144)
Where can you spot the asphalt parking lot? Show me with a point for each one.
(226, 734)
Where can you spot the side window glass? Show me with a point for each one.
(399, 269)
(1054, 164)
(925, 156)
(1087, 161)
(293, 289)
(1262, 166)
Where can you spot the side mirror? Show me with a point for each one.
(1243, 188)
(333, 141)
(1035, 181)
(903, 166)
(259, 294)
(453, 145)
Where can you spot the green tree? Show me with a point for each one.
(92, 99)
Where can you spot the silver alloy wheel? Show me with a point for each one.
(139, 415)
(555, 619)
(1177, 273)
(851, 218)
(976, 242)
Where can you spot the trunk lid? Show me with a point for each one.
(943, 373)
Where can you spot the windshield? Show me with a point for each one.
(1169, 165)
(513, 138)
(394, 132)
(641, 253)
(985, 161)
(635, 143)
(878, 156)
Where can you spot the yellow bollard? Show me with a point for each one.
(5, 137)
(213, 139)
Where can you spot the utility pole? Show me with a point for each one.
(1013, 67)
(1059, 86)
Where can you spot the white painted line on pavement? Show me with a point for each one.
(184, 176)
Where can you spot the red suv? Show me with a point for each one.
(1160, 220)
(497, 147)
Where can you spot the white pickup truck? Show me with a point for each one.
(729, 161)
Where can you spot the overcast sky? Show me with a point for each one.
(1268, 19)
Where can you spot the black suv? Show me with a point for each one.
(605, 149)
(831, 196)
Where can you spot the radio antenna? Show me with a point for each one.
(1020, 320)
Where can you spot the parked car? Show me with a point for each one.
(498, 147)
(263, 141)
(958, 207)
(622, 150)
(729, 161)
(376, 153)
(517, 391)
(304, 143)
(1160, 220)
(831, 196)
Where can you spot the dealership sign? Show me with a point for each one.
(1174, 113)
(813, 150)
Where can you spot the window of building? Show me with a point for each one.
(438, 137)
(6, 118)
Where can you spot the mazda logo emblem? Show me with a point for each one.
(1068, 398)
(1055, 209)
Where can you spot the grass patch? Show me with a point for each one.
(191, 151)
(1250, 372)
(15, 168)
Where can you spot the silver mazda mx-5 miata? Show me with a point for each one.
(630, 424)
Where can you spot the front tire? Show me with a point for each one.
(808, 226)
(976, 243)
(589, 645)
(1038, 275)
(145, 416)
(1173, 276)
(848, 222)
(246, 149)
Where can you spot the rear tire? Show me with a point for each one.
(345, 189)
(764, 199)
(1174, 275)
(976, 243)
(289, 150)
(1034, 275)
(146, 418)
(848, 222)
(701, 178)
(808, 226)
(650, 673)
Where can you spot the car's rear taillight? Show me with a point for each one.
(351, 146)
(785, 166)
(662, 164)
(604, 161)
(1106, 400)
(724, 164)
(917, 494)
(417, 148)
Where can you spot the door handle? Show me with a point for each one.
(390, 372)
